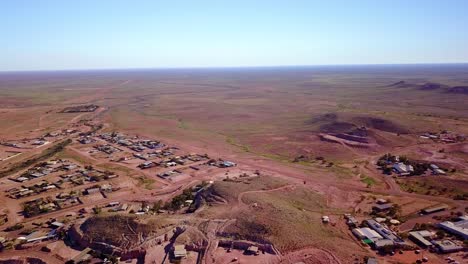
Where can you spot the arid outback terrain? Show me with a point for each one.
(333, 165)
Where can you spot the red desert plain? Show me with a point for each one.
(331, 164)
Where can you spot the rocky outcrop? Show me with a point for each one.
(244, 245)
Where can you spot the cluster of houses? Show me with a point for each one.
(44, 205)
(458, 228)
(379, 236)
(107, 148)
(45, 168)
(63, 132)
(77, 178)
(49, 232)
(62, 200)
(160, 153)
(71, 173)
(107, 187)
(86, 139)
(173, 161)
(24, 191)
(134, 143)
(444, 136)
(428, 239)
(168, 174)
(222, 163)
(27, 143)
(403, 167)
(39, 141)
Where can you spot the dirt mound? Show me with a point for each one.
(249, 228)
(432, 86)
(359, 132)
(193, 237)
(424, 86)
(401, 84)
(458, 90)
(351, 137)
(382, 124)
(337, 127)
(325, 118)
(102, 229)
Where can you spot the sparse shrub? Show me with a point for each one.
(14, 227)
(440, 234)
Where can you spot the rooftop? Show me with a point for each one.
(458, 228)
(180, 251)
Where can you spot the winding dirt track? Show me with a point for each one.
(241, 195)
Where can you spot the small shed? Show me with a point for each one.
(180, 251)
(252, 250)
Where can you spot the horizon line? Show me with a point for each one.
(231, 67)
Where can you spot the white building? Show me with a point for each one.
(459, 228)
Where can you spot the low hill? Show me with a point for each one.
(430, 86)
(124, 235)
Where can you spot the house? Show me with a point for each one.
(180, 251)
(383, 243)
(352, 222)
(106, 188)
(85, 140)
(385, 232)
(56, 224)
(436, 209)
(112, 204)
(25, 192)
(122, 207)
(438, 172)
(21, 179)
(447, 246)
(459, 228)
(421, 238)
(253, 250)
(381, 201)
(146, 165)
(227, 164)
(70, 167)
(325, 219)
(39, 142)
(170, 164)
(93, 190)
(38, 236)
(139, 156)
(37, 175)
(403, 169)
(366, 233)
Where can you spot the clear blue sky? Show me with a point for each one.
(40, 34)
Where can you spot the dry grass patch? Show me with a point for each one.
(230, 189)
